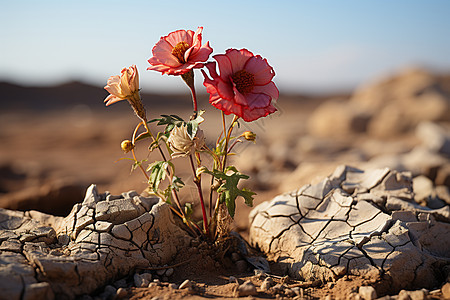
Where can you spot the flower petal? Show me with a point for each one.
(202, 54)
(238, 58)
(269, 89)
(179, 36)
(224, 63)
(257, 100)
(261, 69)
(162, 54)
(252, 115)
(111, 99)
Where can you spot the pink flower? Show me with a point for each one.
(244, 86)
(123, 86)
(179, 52)
(126, 87)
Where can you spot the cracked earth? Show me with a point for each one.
(356, 222)
(101, 240)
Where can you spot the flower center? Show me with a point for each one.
(179, 50)
(244, 81)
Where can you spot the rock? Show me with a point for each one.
(279, 288)
(446, 290)
(173, 286)
(139, 281)
(169, 272)
(337, 117)
(152, 284)
(121, 293)
(185, 284)
(161, 272)
(247, 289)
(235, 257)
(107, 239)
(355, 222)
(267, 284)
(121, 283)
(232, 279)
(412, 295)
(434, 137)
(423, 188)
(443, 175)
(241, 266)
(367, 293)
(109, 292)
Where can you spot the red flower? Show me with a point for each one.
(244, 86)
(179, 52)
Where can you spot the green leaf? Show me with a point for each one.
(229, 190)
(188, 210)
(192, 125)
(142, 136)
(158, 172)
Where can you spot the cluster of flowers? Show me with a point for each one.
(243, 87)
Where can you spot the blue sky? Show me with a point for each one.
(312, 45)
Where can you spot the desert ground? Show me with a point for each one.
(57, 141)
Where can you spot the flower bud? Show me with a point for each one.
(127, 146)
(249, 136)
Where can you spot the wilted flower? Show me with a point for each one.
(179, 52)
(244, 86)
(181, 144)
(127, 146)
(126, 87)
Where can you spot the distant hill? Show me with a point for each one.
(67, 95)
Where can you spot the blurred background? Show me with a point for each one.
(361, 83)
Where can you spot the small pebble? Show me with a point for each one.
(296, 290)
(152, 284)
(232, 279)
(109, 292)
(185, 284)
(247, 289)
(367, 293)
(241, 266)
(161, 272)
(121, 293)
(169, 272)
(139, 281)
(235, 257)
(289, 292)
(157, 281)
(147, 276)
(267, 284)
(173, 286)
(278, 288)
(121, 283)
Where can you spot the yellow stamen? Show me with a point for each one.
(179, 50)
(244, 81)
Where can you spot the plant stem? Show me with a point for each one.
(189, 80)
(227, 140)
(198, 183)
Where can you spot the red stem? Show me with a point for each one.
(198, 183)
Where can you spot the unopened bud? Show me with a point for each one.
(127, 146)
(249, 136)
